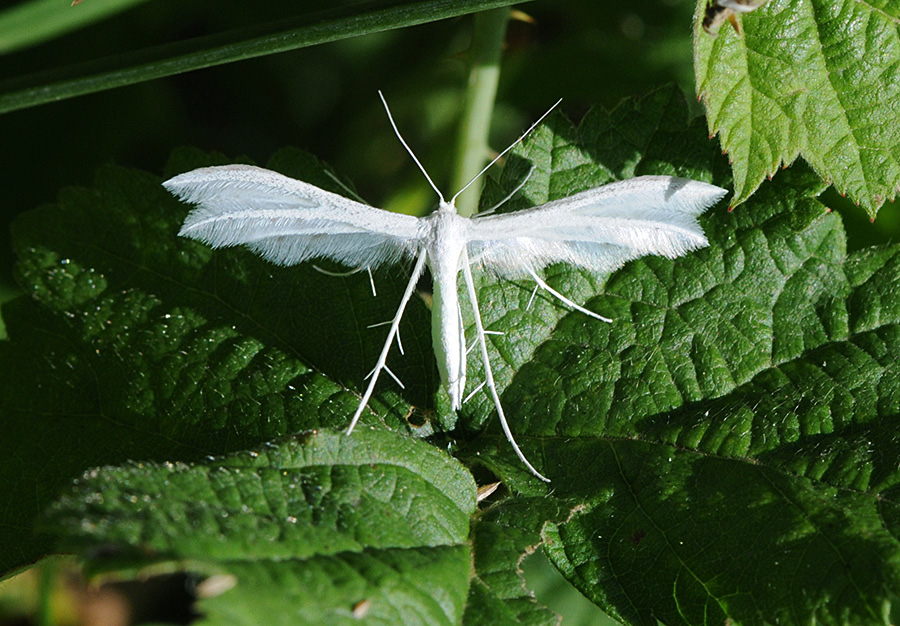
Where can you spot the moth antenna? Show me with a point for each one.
(508, 148)
(408, 149)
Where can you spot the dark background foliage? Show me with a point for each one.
(323, 99)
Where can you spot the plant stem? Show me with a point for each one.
(47, 573)
(472, 150)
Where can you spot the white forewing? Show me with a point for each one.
(288, 221)
(599, 229)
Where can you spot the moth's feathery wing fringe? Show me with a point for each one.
(288, 221)
(598, 229)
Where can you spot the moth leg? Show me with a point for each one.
(508, 196)
(464, 352)
(564, 299)
(391, 374)
(489, 375)
(382, 359)
(322, 270)
(473, 392)
(475, 343)
(399, 343)
(372, 282)
(531, 299)
(394, 376)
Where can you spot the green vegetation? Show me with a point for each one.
(724, 451)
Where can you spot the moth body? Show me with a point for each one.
(445, 246)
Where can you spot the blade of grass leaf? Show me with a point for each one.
(246, 43)
(34, 22)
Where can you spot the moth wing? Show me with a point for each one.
(599, 229)
(287, 221)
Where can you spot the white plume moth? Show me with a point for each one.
(288, 221)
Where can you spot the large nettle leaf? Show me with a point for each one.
(725, 449)
(814, 78)
(306, 531)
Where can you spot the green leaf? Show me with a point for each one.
(328, 520)
(247, 43)
(502, 534)
(727, 446)
(810, 78)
